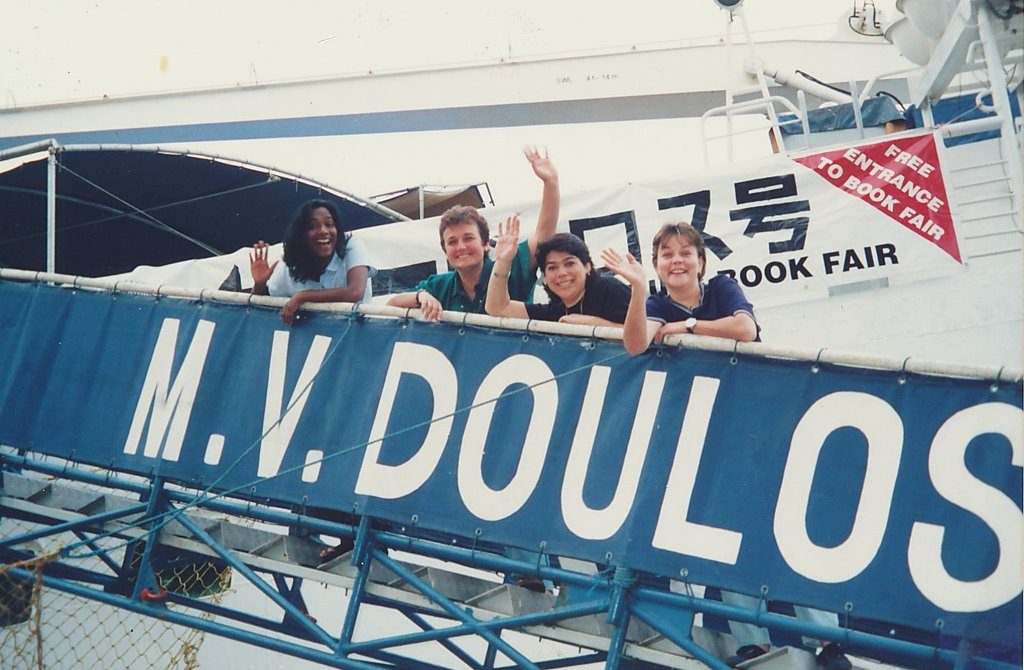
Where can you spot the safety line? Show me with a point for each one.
(203, 497)
(119, 215)
(158, 222)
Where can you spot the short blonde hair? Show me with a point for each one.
(459, 214)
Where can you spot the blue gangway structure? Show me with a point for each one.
(145, 428)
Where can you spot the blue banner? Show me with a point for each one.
(899, 494)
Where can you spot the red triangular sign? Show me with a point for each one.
(900, 178)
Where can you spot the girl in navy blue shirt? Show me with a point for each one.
(716, 309)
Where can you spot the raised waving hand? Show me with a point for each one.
(626, 267)
(507, 244)
(259, 268)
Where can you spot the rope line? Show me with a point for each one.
(135, 210)
(198, 498)
(204, 496)
(118, 215)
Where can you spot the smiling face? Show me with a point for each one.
(463, 246)
(321, 233)
(678, 264)
(566, 276)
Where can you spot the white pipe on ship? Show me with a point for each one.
(799, 82)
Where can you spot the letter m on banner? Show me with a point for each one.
(170, 402)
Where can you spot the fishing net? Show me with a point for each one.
(42, 627)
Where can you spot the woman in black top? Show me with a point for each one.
(578, 294)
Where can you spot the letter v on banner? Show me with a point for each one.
(901, 178)
(277, 429)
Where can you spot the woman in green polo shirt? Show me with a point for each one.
(464, 238)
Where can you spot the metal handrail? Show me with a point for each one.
(737, 107)
(757, 349)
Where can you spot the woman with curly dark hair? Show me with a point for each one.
(317, 268)
(577, 293)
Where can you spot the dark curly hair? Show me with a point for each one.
(567, 243)
(302, 264)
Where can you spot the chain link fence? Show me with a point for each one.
(41, 627)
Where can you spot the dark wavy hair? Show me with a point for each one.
(567, 243)
(301, 262)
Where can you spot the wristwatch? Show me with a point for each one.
(690, 324)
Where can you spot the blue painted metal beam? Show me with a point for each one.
(492, 654)
(85, 522)
(618, 616)
(213, 627)
(671, 632)
(62, 570)
(362, 562)
(292, 593)
(385, 539)
(145, 575)
(623, 581)
(486, 561)
(502, 623)
(98, 550)
(450, 646)
(572, 662)
(295, 613)
(216, 504)
(919, 654)
(404, 662)
(450, 607)
(241, 617)
(873, 645)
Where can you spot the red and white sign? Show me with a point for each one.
(901, 179)
(788, 229)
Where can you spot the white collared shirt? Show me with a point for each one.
(282, 284)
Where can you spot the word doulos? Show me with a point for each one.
(674, 531)
(460, 499)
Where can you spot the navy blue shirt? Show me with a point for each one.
(719, 298)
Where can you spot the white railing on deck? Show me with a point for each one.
(1000, 374)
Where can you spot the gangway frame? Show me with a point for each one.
(618, 597)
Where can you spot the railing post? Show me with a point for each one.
(51, 210)
(145, 581)
(618, 614)
(362, 560)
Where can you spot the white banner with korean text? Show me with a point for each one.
(788, 229)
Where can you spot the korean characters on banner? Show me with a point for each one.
(787, 229)
(793, 230)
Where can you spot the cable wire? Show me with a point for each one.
(166, 517)
(157, 223)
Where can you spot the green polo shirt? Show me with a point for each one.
(447, 288)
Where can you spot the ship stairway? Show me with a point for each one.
(182, 527)
(57, 505)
